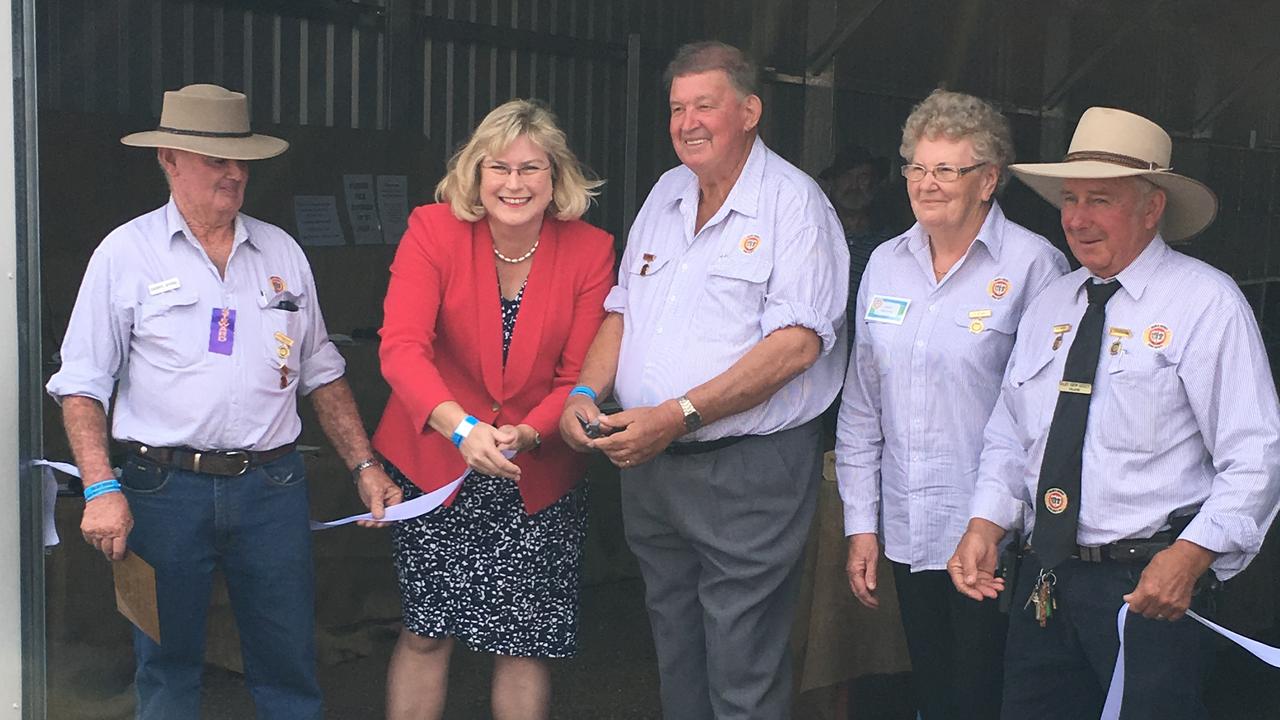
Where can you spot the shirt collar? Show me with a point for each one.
(744, 198)
(1134, 278)
(990, 235)
(176, 224)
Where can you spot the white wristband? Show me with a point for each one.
(461, 432)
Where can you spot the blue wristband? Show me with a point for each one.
(101, 488)
(583, 390)
(461, 432)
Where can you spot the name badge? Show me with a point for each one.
(222, 331)
(886, 309)
(164, 286)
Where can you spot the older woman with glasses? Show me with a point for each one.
(936, 316)
(495, 294)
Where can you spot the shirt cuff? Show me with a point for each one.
(1235, 539)
(1002, 510)
(322, 368)
(84, 381)
(858, 521)
(784, 315)
(616, 300)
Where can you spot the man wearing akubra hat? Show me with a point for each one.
(1137, 433)
(208, 321)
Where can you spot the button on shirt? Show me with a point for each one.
(148, 314)
(1183, 412)
(773, 256)
(919, 389)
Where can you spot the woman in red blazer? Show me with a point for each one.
(495, 294)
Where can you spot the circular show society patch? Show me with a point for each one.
(277, 283)
(750, 243)
(1055, 500)
(1157, 336)
(998, 288)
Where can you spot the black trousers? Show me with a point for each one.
(1062, 671)
(956, 646)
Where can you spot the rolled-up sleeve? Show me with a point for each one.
(321, 361)
(809, 286)
(860, 436)
(1233, 397)
(96, 342)
(616, 300)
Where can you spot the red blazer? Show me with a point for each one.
(442, 340)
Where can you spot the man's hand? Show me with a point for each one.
(570, 428)
(106, 524)
(377, 491)
(862, 566)
(1164, 590)
(480, 450)
(639, 434)
(973, 566)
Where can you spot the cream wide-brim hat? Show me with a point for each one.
(208, 120)
(1111, 143)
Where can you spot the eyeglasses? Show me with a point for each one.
(526, 170)
(944, 173)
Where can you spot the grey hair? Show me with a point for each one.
(708, 55)
(958, 116)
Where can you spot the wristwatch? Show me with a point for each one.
(692, 420)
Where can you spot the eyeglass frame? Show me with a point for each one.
(504, 170)
(960, 172)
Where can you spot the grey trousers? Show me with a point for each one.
(720, 537)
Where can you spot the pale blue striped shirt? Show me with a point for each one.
(1183, 414)
(148, 309)
(921, 385)
(773, 256)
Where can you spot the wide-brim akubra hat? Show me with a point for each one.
(209, 120)
(1111, 143)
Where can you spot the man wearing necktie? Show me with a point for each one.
(1136, 440)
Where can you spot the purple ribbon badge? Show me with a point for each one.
(222, 331)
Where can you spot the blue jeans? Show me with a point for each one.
(255, 529)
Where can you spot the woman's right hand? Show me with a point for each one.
(480, 449)
(571, 428)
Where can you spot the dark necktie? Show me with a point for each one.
(1058, 496)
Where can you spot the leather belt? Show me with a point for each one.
(229, 463)
(706, 446)
(1127, 551)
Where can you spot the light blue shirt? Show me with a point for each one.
(148, 305)
(921, 384)
(1183, 413)
(773, 256)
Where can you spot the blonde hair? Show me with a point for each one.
(957, 116)
(571, 189)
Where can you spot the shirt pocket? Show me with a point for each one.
(1142, 389)
(1034, 390)
(979, 347)
(733, 297)
(283, 331)
(169, 331)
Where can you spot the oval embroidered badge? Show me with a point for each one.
(1055, 500)
(998, 288)
(1157, 336)
(749, 244)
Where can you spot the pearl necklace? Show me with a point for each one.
(516, 261)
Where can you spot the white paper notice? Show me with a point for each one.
(393, 206)
(403, 511)
(362, 209)
(317, 220)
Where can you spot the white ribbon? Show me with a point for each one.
(1115, 694)
(400, 511)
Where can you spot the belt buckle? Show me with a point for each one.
(241, 455)
(1090, 554)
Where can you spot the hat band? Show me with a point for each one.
(205, 133)
(1112, 158)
